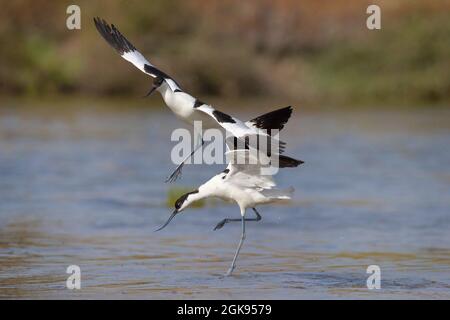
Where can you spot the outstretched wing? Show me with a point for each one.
(129, 52)
(244, 169)
(272, 120)
(247, 135)
(229, 123)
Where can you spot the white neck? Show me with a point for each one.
(201, 194)
(164, 90)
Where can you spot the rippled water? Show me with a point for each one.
(87, 188)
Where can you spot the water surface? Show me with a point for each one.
(87, 188)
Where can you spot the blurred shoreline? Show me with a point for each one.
(76, 103)
(312, 53)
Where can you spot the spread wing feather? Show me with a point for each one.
(129, 52)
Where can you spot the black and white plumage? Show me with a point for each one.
(243, 182)
(272, 120)
(129, 52)
(190, 109)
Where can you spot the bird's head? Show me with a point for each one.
(157, 82)
(182, 203)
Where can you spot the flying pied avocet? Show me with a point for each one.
(243, 182)
(190, 109)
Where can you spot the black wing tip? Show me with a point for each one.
(287, 109)
(274, 119)
(113, 36)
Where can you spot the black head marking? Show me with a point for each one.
(223, 117)
(158, 81)
(178, 90)
(158, 73)
(183, 198)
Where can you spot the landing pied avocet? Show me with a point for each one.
(242, 182)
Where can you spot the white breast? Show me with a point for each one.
(180, 103)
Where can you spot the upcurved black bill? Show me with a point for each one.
(168, 221)
(150, 92)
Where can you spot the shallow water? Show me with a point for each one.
(87, 188)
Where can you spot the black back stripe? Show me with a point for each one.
(223, 117)
(198, 103)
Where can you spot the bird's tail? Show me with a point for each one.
(279, 194)
(288, 162)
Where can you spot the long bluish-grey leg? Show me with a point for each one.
(177, 172)
(224, 221)
(233, 264)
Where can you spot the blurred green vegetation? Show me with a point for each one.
(316, 52)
